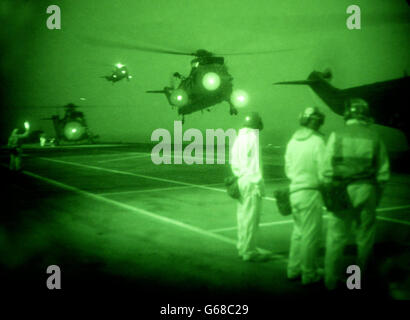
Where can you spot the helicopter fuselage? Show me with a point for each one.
(118, 74)
(193, 94)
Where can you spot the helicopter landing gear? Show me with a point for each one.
(232, 110)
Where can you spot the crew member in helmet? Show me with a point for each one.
(246, 165)
(355, 156)
(14, 144)
(303, 160)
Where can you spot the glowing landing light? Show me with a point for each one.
(123, 71)
(211, 81)
(129, 77)
(73, 130)
(179, 97)
(119, 65)
(26, 125)
(239, 98)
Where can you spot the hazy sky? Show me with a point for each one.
(46, 68)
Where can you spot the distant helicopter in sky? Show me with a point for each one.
(388, 100)
(120, 72)
(208, 83)
(72, 127)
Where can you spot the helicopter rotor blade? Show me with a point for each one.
(197, 53)
(253, 52)
(120, 45)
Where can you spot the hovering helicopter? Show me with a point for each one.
(208, 83)
(388, 100)
(120, 72)
(72, 127)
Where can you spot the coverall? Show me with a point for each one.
(14, 144)
(246, 165)
(357, 156)
(303, 158)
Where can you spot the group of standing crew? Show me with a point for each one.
(354, 157)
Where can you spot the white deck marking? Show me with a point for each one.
(132, 208)
(275, 223)
(150, 190)
(194, 185)
(394, 220)
(276, 257)
(265, 224)
(393, 208)
(132, 174)
(142, 176)
(125, 158)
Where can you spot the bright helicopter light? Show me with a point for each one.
(119, 65)
(74, 130)
(129, 77)
(26, 125)
(211, 81)
(179, 97)
(239, 98)
(123, 71)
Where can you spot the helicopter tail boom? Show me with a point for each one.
(155, 91)
(319, 83)
(300, 82)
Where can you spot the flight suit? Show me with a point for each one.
(303, 159)
(357, 156)
(246, 165)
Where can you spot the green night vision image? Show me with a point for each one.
(205, 152)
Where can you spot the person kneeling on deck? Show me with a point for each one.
(246, 165)
(303, 160)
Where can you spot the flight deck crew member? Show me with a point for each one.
(303, 159)
(356, 156)
(246, 165)
(14, 144)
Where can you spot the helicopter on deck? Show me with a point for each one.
(120, 72)
(208, 83)
(388, 100)
(72, 127)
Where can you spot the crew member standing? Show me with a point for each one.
(14, 143)
(303, 160)
(246, 165)
(355, 157)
